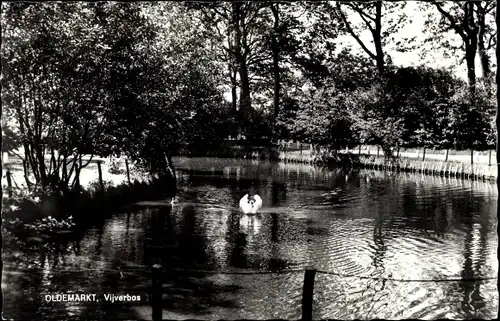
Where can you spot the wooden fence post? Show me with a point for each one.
(156, 302)
(128, 171)
(378, 151)
(307, 295)
(446, 157)
(423, 157)
(472, 155)
(359, 150)
(489, 158)
(100, 174)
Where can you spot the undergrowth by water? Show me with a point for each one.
(49, 212)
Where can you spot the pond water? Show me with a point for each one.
(384, 245)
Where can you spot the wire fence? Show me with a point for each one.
(124, 271)
(308, 283)
(294, 290)
(333, 273)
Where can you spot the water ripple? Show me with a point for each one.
(368, 229)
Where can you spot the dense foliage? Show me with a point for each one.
(147, 80)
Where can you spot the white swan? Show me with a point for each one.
(250, 204)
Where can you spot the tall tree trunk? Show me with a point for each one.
(483, 53)
(99, 170)
(41, 162)
(276, 67)
(234, 84)
(245, 102)
(240, 58)
(26, 173)
(64, 175)
(377, 39)
(128, 171)
(25, 134)
(77, 184)
(481, 47)
(78, 170)
(233, 63)
(471, 69)
(470, 46)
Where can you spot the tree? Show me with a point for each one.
(37, 74)
(177, 86)
(420, 106)
(322, 120)
(470, 21)
(470, 120)
(242, 21)
(281, 41)
(275, 8)
(420, 97)
(257, 42)
(43, 64)
(372, 121)
(375, 15)
(316, 43)
(241, 29)
(219, 25)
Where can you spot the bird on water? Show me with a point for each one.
(251, 203)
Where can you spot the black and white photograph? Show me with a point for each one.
(250, 160)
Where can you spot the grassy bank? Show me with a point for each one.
(429, 166)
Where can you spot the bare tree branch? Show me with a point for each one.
(362, 14)
(353, 34)
(452, 21)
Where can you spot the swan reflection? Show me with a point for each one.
(250, 224)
